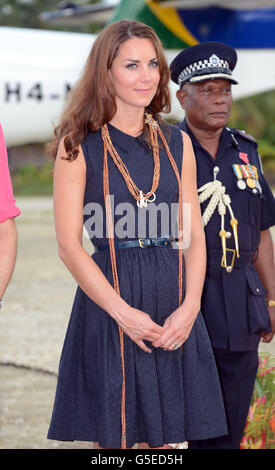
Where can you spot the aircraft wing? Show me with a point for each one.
(73, 14)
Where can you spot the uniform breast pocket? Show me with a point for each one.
(254, 209)
(258, 317)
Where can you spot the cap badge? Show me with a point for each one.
(214, 60)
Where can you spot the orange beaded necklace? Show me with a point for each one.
(142, 200)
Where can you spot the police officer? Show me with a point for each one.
(237, 210)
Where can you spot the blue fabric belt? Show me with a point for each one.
(138, 243)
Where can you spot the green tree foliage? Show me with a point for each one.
(256, 115)
(33, 180)
(25, 14)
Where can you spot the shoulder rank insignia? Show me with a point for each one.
(243, 134)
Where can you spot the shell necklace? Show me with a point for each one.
(141, 198)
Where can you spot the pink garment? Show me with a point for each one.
(7, 201)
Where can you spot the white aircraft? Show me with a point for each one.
(39, 67)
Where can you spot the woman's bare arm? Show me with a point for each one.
(8, 250)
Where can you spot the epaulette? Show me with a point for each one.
(243, 134)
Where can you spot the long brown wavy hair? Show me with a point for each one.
(92, 102)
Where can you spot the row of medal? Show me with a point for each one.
(247, 175)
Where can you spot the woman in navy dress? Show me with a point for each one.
(136, 365)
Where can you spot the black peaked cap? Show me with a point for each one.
(205, 61)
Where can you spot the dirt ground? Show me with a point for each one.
(33, 322)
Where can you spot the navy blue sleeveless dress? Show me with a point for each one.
(171, 396)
